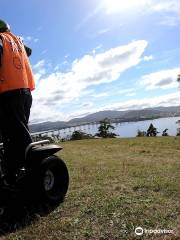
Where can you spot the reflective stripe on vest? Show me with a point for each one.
(15, 69)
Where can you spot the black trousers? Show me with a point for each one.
(14, 115)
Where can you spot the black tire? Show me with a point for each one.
(53, 179)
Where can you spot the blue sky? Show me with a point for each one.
(99, 55)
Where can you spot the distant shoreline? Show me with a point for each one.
(130, 120)
(145, 119)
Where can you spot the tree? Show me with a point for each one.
(78, 135)
(178, 132)
(178, 78)
(178, 129)
(141, 133)
(103, 130)
(152, 131)
(164, 134)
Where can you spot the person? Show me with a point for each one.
(16, 84)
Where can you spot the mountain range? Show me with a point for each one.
(114, 116)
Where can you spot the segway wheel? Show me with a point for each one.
(53, 180)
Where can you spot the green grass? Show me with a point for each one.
(116, 185)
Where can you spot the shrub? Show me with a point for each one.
(165, 133)
(141, 133)
(78, 135)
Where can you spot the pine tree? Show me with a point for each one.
(152, 131)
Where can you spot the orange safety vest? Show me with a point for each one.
(15, 69)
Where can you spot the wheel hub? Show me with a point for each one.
(48, 180)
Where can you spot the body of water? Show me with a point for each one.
(128, 129)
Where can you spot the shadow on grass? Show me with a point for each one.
(19, 215)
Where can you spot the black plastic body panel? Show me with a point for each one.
(40, 152)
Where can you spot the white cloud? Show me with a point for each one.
(99, 95)
(167, 100)
(87, 104)
(129, 92)
(103, 31)
(39, 64)
(107, 66)
(167, 10)
(171, 21)
(126, 91)
(42, 113)
(164, 79)
(132, 94)
(170, 11)
(44, 51)
(40, 69)
(165, 6)
(29, 39)
(148, 58)
(59, 87)
(96, 49)
(114, 6)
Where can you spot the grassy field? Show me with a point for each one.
(116, 185)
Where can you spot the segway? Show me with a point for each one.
(43, 179)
